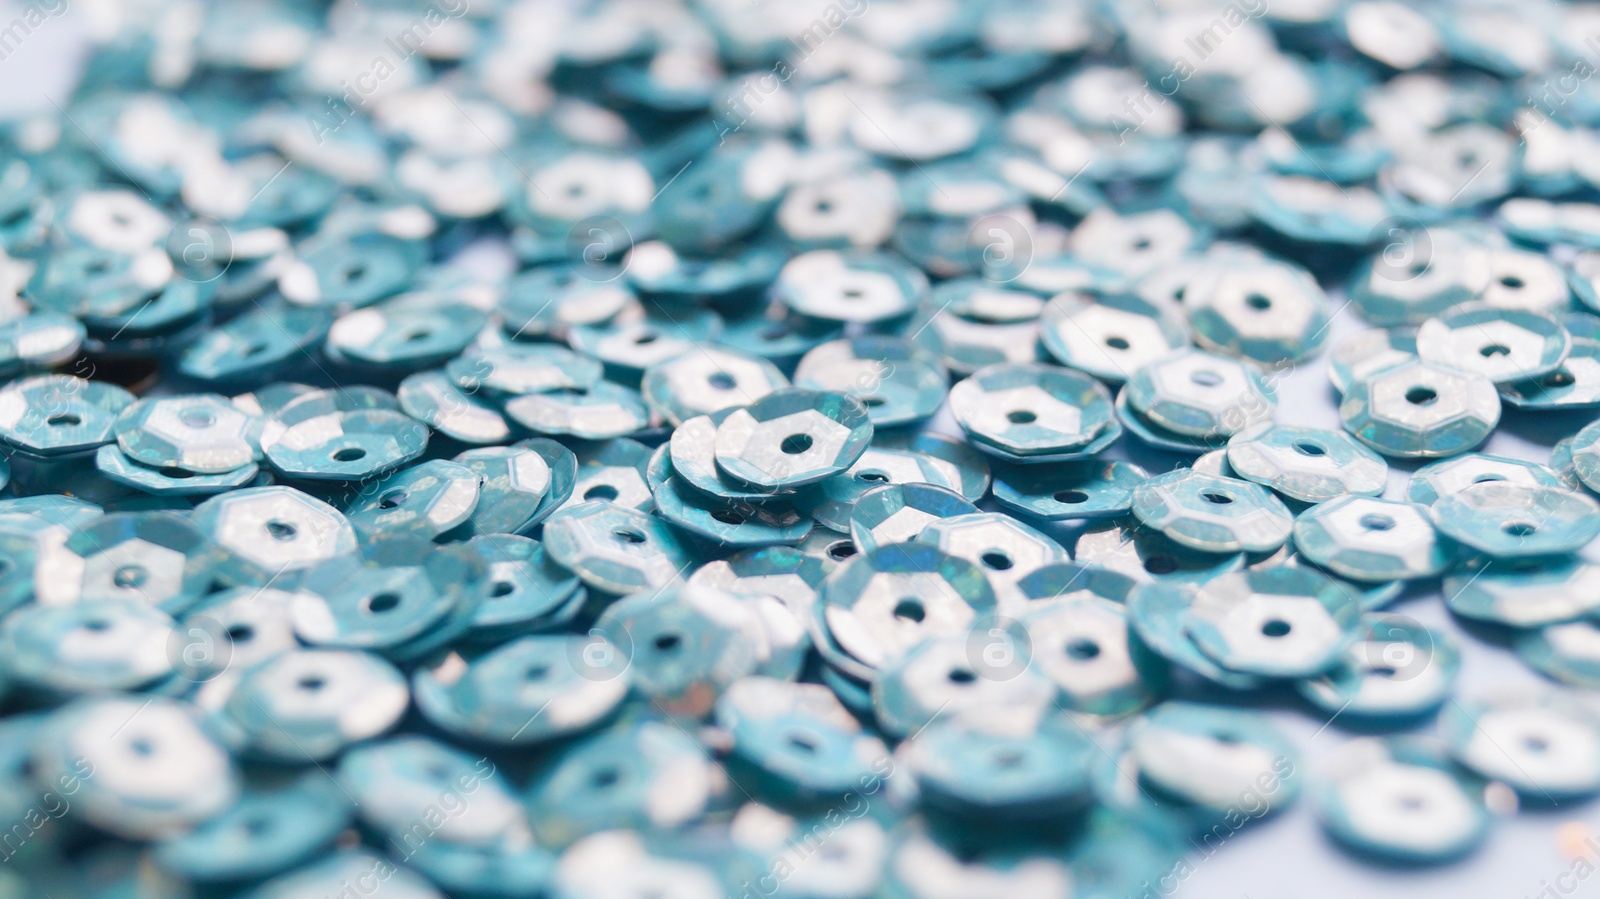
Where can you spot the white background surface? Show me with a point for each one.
(1286, 857)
